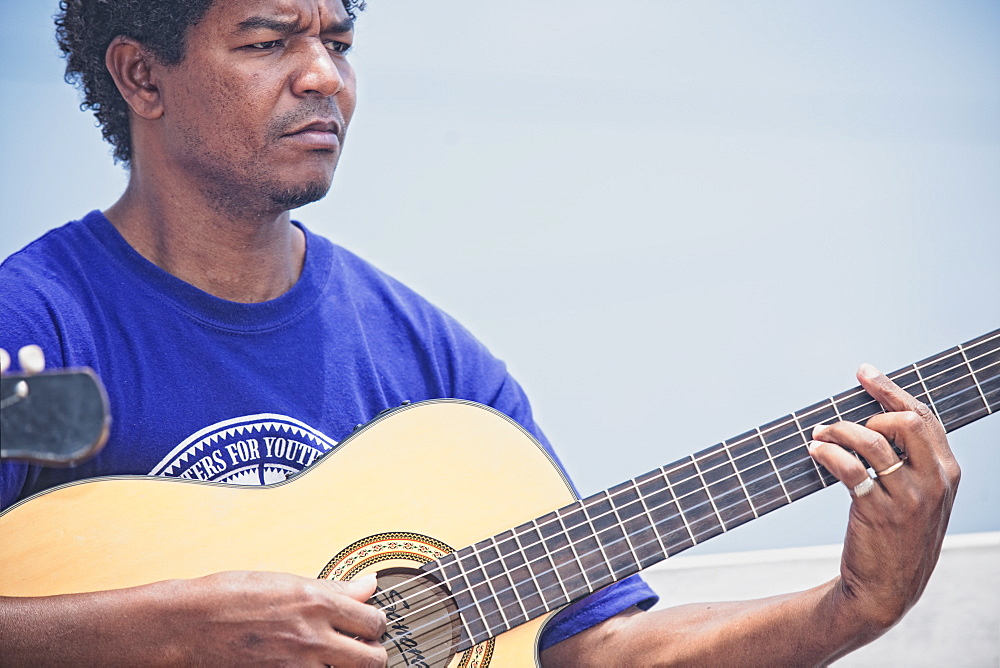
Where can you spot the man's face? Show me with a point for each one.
(258, 108)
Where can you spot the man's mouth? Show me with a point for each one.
(317, 135)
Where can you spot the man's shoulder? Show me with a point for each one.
(42, 286)
(47, 258)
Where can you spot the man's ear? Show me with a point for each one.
(132, 67)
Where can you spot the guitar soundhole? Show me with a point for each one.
(422, 623)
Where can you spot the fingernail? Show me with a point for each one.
(868, 371)
(818, 429)
(813, 445)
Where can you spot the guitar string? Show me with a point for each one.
(553, 569)
(579, 592)
(802, 431)
(586, 589)
(445, 648)
(674, 517)
(584, 507)
(583, 590)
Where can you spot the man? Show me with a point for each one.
(227, 125)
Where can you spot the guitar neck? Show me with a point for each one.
(508, 579)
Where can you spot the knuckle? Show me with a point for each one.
(312, 596)
(954, 472)
(875, 444)
(910, 499)
(923, 412)
(914, 420)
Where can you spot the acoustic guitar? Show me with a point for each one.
(476, 537)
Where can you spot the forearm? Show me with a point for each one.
(110, 627)
(232, 618)
(812, 627)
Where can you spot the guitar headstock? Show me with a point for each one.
(53, 418)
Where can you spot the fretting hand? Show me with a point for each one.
(898, 519)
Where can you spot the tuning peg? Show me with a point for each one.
(31, 358)
(4, 360)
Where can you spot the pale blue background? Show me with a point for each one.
(675, 220)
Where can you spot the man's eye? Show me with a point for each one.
(337, 47)
(263, 46)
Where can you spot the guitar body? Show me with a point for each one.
(411, 486)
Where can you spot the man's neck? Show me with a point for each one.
(240, 256)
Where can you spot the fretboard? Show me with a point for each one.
(515, 576)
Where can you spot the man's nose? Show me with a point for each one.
(318, 72)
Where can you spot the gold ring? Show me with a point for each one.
(891, 469)
(863, 487)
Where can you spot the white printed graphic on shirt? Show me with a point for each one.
(249, 450)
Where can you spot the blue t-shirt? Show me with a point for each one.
(208, 389)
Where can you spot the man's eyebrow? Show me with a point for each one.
(287, 27)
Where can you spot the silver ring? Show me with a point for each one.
(863, 487)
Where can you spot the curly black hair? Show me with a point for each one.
(85, 28)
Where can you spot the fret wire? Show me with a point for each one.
(548, 556)
(708, 492)
(527, 563)
(593, 532)
(489, 583)
(576, 556)
(739, 477)
(465, 623)
(472, 592)
(680, 511)
(989, 411)
(649, 515)
(931, 361)
(773, 465)
(675, 498)
(930, 400)
(836, 409)
(513, 589)
(621, 523)
(802, 432)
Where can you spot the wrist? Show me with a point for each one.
(856, 616)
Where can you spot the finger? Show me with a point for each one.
(885, 391)
(342, 650)
(910, 433)
(356, 619)
(842, 464)
(350, 614)
(4, 360)
(868, 443)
